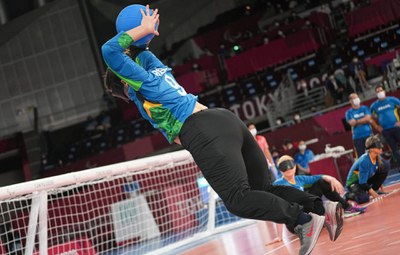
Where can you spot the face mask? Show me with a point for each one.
(296, 117)
(278, 122)
(302, 147)
(356, 101)
(381, 95)
(253, 131)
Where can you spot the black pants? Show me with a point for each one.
(359, 145)
(392, 137)
(236, 168)
(322, 187)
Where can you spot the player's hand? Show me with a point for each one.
(374, 194)
(149, 21)
(380, 129)
(397, 124)
(336, 185)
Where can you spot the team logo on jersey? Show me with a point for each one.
(159, 71)
(381, 108)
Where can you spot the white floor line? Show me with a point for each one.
(281, 246)
(370, 233)
(394, 231)
(393, 243)
(376, 200)
(355, 246)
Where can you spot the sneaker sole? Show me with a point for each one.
(318, 224)
(339, 220)
(348, 215)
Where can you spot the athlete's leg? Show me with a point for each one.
(390, 137)
(215, 138)
(322, 187)
(359, 145)
(378, 178)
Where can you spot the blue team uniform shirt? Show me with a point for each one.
(359, 131)
(361, 170)
(301, 181)
(386, 111)
(303, 159)
(159, 98)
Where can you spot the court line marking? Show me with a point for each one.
(393, 243)
(369, 233)
(355, 246)
(281, 246)
(382, 197)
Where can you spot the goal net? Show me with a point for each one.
(145, 206)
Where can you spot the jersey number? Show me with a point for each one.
(171, 81)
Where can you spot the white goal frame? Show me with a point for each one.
(38, 219)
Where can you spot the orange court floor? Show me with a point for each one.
(375, 232)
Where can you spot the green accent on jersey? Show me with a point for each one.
(137, 60)
(134, 84)
(125, 40)
(353, 178)
(166, 121)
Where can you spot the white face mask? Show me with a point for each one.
(253, 131)
(381, 94)
(296, 117)
(278, 122)
(302, 147)
(356, 101)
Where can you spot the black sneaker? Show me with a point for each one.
(309, 232)
(333, 219)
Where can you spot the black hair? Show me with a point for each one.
(379, 86)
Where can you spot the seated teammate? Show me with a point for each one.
(320, 185)
(367, 174)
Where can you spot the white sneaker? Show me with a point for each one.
(333, 219)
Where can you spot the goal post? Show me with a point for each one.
(145, 206)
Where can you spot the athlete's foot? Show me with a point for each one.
(334, 219)
(309, 232)
(276, 240)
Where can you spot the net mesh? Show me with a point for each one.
(137, 212)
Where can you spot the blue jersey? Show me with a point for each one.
(301, 181)
(303, 159)
(359, 131)
(386, 111)
(361, 170)
(159, 98)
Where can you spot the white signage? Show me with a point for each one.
(132, 218)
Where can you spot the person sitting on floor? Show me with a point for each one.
(317, 185)
(367, 173)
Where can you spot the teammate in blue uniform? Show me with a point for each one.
(385, 109)
(220, 143)
(302, 158)
(317, 185)
(367, 174)
(359, 118)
